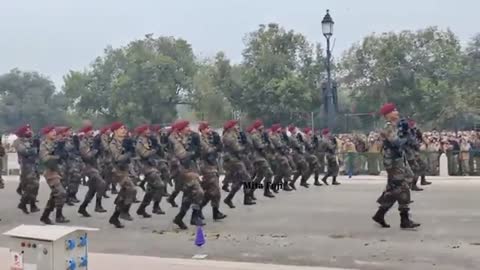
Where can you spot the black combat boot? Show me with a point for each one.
(75, 199)
(98, 205)
(303, 182)
(171, 199)
(125, 214)
(217, 215)
(225, 187)
(179, 217)
(286, 186)
(114, 189)
(267, 192)
(33, 207)
(195, 220)
(23, 206)
(317, 182)
(324, 179)
(228, 200)
(69, 201)
(59, 218)
(83, 210)
(424, 182)
(45, 218)
(334, 181)
(405, 221)
(379, 217)
(19, 189)
(292, 185)
(247, 199)
(114, 219)
(413, 185)
(141, 211)
(156, 208)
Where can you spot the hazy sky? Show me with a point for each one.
(54, 36)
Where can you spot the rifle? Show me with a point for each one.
(59, 150)
(36, 143)
(76, 143)
(242, 138)
(97, 144)
(129, 145)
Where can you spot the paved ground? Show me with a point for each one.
(320, 226)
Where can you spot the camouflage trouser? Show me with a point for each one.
(321, 162)
(127, 193)
(96, 184)
(193, 193)
(249, 165)
(282, 169)
(332, 166)
(155, 186)
(58, 194)
(74, 175)
(30, 183)
(228, 173)
(302, 167)
(165, 173)
(210, 185)
(262, 171)
(313, 165)
(396, 191)
(239, 176)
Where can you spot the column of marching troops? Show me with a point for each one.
(255, 157)
(112, 159)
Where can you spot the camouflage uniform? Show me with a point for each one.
(96, 184)
(313, 164)
(397, 189)
(283, 170)
(189, 179)
(73, 169)
(126, 196)
(330, 148)
(235, 167)
(298, 155)
(58, 195)
(149, 162)
(106, 165)
(209, 170)
(261, 151)
(163, 168)
(28, 160)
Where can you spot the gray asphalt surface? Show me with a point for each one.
(319, 226)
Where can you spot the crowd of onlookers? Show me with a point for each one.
(360, 153)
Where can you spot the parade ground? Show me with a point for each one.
(326, 227)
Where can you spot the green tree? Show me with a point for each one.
(281, 74)
(141, 82)
(29, 97)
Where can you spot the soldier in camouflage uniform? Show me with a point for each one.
(51, 154)
(234, 147)
(283, 170)
(147, 148)
(310, 141)
(184, 151)
(298, 155)
(74, 165)
(162, 164)
(319, 152)
(27, 150)
(261, 152)
(397, 189)
(90, 149)
(106, 162)
(122, 149)
(419, 167)
(329, 145)
(210, 147)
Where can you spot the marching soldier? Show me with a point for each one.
(122, 149)
(261, 148)
(106, 162)
(188, 177)
(329, 145)
(234, 144)
(298, 158)
(147, 148)
(397, 189)
(210, 147)
(283, 170)
(52, 152)
(27, 150)
(163, 166)
(73, 164)
(2, 155)
(90, 149)
(310, 141)
(418, 166)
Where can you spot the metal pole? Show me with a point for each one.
(330, 105)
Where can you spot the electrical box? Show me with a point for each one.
(49, 247)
